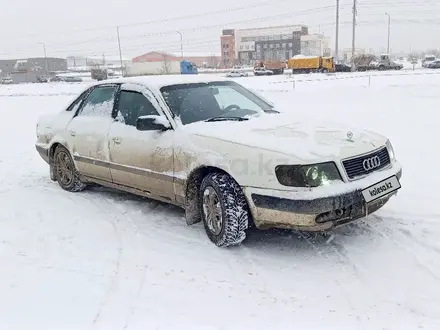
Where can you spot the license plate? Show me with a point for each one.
(381, 189)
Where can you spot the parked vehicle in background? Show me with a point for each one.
(188, 67)
(6, 81)
(368, 62)
(236, 73)
(433, 65)
(427, 60)
(66, 79)
(259, 71)
(180, 140)
(308, 64)
(277, 67)
(42, 79)
(72, 79)
(340, 67)
(55, 79)
(385, 63)
(365, 62)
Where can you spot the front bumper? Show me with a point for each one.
(43, 151)
(275, 209)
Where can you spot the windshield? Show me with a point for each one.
(203, 101)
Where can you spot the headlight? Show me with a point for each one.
(314, 175)
(390, 150)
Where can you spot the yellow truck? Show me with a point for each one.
(308, 64)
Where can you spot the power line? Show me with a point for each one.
(112, 39)
(157, 21)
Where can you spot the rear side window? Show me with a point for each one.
(100, 102)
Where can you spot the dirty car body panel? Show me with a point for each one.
(250, 141)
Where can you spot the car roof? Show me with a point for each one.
(159, 81)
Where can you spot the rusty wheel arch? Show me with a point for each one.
(193, 213)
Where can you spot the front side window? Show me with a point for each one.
(133, 105)
(203, 101)
(77, 103)
(100, 102)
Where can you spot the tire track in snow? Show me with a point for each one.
(415, 239)
(132, 308)
(402, 246)
(407, 232)
(340, 265)
(115, 277)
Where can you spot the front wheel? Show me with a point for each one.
(65, 171)
(224, 210)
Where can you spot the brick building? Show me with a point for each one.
(227, 41)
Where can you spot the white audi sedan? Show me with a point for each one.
(221, 152)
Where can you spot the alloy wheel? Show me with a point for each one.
(64, 168)
(212, 210)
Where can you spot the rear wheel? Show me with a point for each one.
(224, 210)
(65, 171)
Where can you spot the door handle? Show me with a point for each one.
(117, 140)
(73, 133)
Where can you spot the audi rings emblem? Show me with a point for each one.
(371, 163)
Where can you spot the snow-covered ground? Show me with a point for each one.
(107, 260)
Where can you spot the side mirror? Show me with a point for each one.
(152, 123)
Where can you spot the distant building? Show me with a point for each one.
(36, 64)
(89, 61)
(315, 45)
(201, 61)
(246, 46)
(227, 41)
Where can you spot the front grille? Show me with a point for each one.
(355, 167)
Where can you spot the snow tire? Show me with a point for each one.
(234, 209)
(74, 184)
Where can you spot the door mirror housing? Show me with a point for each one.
(152, 123)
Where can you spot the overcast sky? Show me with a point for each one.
(88, 27)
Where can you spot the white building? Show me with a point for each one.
(86, 62)
(268, 43)
(315, 45)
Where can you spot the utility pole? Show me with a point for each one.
(181, 44)
(353, 42)
(45, 57)
(337, 32)
(120, 51)
(389, 30)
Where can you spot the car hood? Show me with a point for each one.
(305, 139)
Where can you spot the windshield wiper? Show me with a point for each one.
(271, 111)
(220, 118)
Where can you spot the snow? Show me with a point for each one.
(314, 140)
(304, 56)
(159, 120)
(108, 260)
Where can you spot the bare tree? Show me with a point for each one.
(166, 65)
(212, 61)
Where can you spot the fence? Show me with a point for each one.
(366, 79)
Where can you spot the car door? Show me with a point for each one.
(88, 130)
(141, 159)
